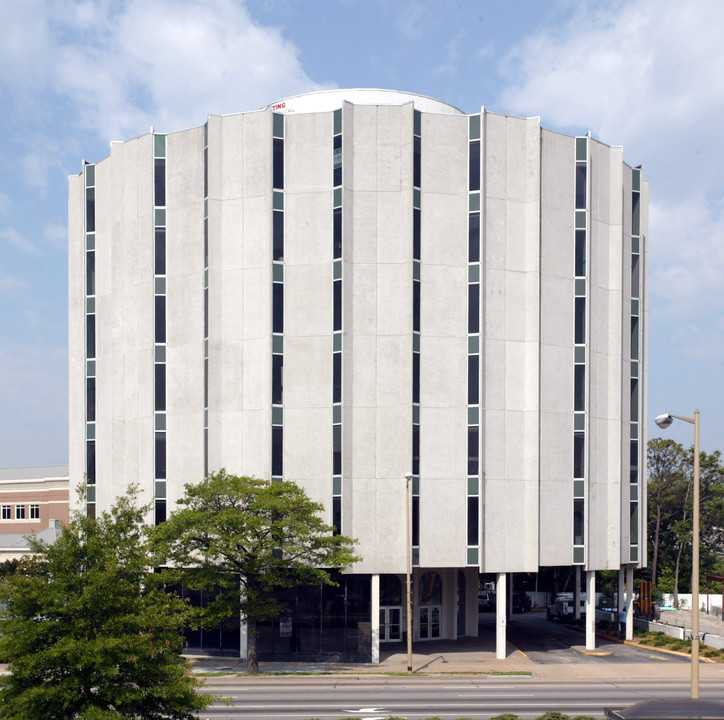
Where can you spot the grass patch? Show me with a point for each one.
(658, 639)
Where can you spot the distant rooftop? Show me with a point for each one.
(19, 541)
(35, 472)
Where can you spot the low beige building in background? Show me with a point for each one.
(33, 500)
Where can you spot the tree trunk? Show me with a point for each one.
(252, 660)
(676, 576)
(655, 560)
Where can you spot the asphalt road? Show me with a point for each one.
(478, 697)
(374, 698)
(550, 641)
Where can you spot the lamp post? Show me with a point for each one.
(408, 570)
(663, 421)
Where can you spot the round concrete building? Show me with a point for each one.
(351, 285)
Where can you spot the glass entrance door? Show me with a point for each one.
(429, 622)
(390, 624)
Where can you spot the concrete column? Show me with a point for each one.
(629, 602)
(243, 640)
(243, 634)
(375, 619)
(590, 609)
(577, 594)
(620, 595)
(509, 593)
(500, 616)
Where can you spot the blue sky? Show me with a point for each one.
(76, 74)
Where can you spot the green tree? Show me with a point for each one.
(666, 491)
(244, 538)
(89, 631)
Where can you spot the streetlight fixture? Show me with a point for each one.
(408, 553)
(663, 421)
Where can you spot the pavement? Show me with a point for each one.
(477, 656)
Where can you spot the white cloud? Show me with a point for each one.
(125, 66)
(20, 241)
(35, 432)
(11, 285)
(646, 75)
(56, 235)
(5, 204)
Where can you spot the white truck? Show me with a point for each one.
(562, 606)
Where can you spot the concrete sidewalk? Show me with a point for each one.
(477, 656)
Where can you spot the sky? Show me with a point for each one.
(77, 74)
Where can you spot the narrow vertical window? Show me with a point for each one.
(634, 526)
(634, 400)
(277, 451)
(278, 235)
(474, 308)
(337, 310)
(160, 386)
(206, 171)
(160, 320)
(336, 449)
(473, 439)
(160, 251)
(578, 522)
(159, 182)
(474, 237)
(90, 273)
(337, 377)
(474, 166)
(277, 379)
(415, 520)
(580, 253)
(579, 397)
(580, 321)
(634, 338)
(416, 233)
(579, 447)
(634, 461)
(417, 162)
(635, 276)
(278, 164)
(90, 209)
(473, 521)
(416, 306)
(415, 449)
(278, 308)
(581, 169)
(337, 514)
(635, 213)
(337, 233)
(416, 377)
(160, 455)
(160, 511)
(90, 335)
(90, 461)
(473, 379)
(90, 396)
(337, 160)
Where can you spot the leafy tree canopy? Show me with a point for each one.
(89, 631)
(248, 537)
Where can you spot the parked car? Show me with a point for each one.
(486, 601)
(521, 602)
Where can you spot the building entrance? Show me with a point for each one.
(391, 624)
(429, 622)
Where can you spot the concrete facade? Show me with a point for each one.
(520, 349)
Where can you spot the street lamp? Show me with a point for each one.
(408, 553)
(663, 421)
